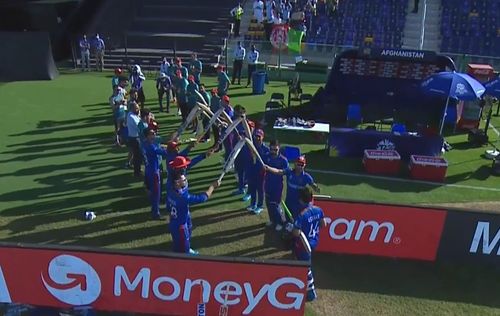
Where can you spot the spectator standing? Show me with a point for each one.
(136, 79)
(258, 10)
(236, 13)
(270, 7)
(85, 53)
(133, 120)
(164, 86)
(253, 59)
(287, 11)
(196, 67)
(239, 56)
(99, 53)
(222, 81)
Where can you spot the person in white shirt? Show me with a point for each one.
(253, 59)
(239, 56)
(133, 119)
(258, 10)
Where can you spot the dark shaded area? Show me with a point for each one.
(28, 56)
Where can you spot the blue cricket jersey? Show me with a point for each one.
(295, 182)
(178, 205)
(309, 222)
(274, 182)
(151, 152)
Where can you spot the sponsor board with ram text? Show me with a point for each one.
(158, 285)
(383, 230)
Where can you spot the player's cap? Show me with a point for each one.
(251, 123)
(301, 161)
(118, 71)
(259, 132)
(179, 162)
(225, 98)
(191, 78)
(172, 145)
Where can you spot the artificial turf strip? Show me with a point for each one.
(57, 160)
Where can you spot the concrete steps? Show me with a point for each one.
(413, 27)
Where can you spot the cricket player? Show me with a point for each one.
(152, 173)
(196, 67)
(273, 185)
(222, 81)
(255, 174)
(179, 200)
(296, 179)
(309, 221)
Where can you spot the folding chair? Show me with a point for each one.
(278, 97)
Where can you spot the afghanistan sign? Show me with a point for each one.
(158, 285)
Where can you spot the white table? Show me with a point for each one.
(323, 128)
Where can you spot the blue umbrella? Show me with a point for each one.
(493, 87)
(453, 85)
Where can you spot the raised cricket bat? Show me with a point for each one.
(248, 133)
(201, 97)
(214, 117)
(287, 211)
(232, 157)
(229, 130)
(190, 118)
(254, 150)
(208, 113)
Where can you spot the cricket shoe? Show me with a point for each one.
(257, 210)
(193, 252)
(246, 197)
(311, 295)
(278, 227)
(251, 208)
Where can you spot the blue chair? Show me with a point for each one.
(354, 114)
(398, 128)
(290, 152)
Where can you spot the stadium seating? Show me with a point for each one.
(471, 27)
(377, 23)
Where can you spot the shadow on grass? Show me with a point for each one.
(434, 281)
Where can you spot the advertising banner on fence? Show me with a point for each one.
(471, 237)
(381, 230)
(150, 285)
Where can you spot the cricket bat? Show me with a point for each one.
(228, 131)
(208, 113)
(305, 242)
(254, 150)
(232, 157)
(190, 118)
(248, 133)
(214, 117)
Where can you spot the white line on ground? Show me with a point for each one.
(405, 180)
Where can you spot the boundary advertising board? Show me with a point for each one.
(161, 284)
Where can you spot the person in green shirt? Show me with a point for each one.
(196, 68)
(222, 81)
(181, 85)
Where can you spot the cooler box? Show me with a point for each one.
(381, 161)
(428, 168)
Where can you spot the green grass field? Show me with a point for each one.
(58, 159)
